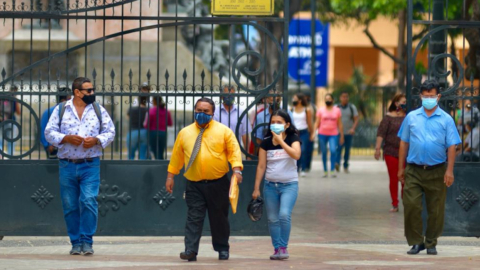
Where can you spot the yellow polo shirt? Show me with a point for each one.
(219, 147)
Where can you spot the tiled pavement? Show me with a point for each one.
(340, 223)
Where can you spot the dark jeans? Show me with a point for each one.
(211, 196)
(157, 143)
(304, 139)
(347, 145)
(309, 155)
(79, 186)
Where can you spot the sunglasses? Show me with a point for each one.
(89, 90)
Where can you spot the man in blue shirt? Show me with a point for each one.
(429, 136)
(64, 95)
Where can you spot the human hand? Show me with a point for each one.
(239, 177)
(401, 175)
(342, 140)
(351, 131)
(51, 148)
(312, 137)
(377, 154)
(448, 178)
(276, 138)
(74, 139)
(169, 185)
(89, 142)
(255, 194)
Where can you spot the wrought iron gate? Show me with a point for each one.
(443, 25)
(163, 51)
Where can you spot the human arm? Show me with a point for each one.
(378, 145)
(170, 122)
(53, 134)
(17, 108)
(402, 156)
(234, 155)
(452, 140)
(449, 177)
(309, 120)
(315, 128)
(381, 134)
(43, 124)
(340, 130)
(261, 167)
(293, 151)
(107, 131)
(356, 119)
(176, 163)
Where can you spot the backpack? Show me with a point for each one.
(61, 112)
(351, 110)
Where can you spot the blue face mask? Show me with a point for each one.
(277, 128)
(429, 103)
(202, 118)
(228, 101)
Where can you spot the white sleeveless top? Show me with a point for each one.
(300, 119)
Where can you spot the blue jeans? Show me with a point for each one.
(157, 143)
(137, 139)
(11, 132)
(332, 142)
(280, 199)
(347, 145)
(304, 139)
(79, 186)
(309, 154)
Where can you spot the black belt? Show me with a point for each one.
(78, 161)
(426, 167)
(209, 181)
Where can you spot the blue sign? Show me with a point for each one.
(300, 51)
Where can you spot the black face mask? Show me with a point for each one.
(88, 99)
(274, 105)
(329, 103)
(295, 103)
(403, 106)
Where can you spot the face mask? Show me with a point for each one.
(202, 118)
(329, 103)
(277, 128)
(228, 101)
(88, 99)
(403, 106)
(429, 103)
(295, 103)
(274, 105)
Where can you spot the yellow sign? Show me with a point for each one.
(242, 7)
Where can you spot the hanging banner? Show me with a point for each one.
(300, 51)
(242, 7)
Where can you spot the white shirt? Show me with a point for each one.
(300, 119)
(88, 126)
(473, 140)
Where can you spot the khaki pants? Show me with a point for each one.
(430, 182)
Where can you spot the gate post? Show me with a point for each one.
(437, 42)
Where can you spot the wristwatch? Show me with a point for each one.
(238, 171)
(99, 142)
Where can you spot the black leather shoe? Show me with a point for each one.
(223, 255)
(432, 251)
(188, 255)
(416, 249)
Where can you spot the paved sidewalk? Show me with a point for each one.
(338, 223)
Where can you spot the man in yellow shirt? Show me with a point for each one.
(206, 147)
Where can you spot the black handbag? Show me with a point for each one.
(255, 209)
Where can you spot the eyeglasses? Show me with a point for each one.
(89, 90)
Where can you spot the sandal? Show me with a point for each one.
(394, 210)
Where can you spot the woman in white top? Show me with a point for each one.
(303, 119)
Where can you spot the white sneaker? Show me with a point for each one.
(303, 174)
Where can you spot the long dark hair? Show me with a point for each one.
(395, 99)
(301, 98)
(291, 130)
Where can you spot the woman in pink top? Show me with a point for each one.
(329, 125)
(156, 123)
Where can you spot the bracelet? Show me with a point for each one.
(239, 172)
(169, 178)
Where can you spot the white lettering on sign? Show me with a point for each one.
(305, 40)
(302, 52)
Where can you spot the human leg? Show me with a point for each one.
(89, 175)
(272, 205)
(322, 141)
(392, 167)
(70, 194)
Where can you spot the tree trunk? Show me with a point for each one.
(401, 52)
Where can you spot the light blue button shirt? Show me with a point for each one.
(230, 119)
(264, 117)
(428, 137)
(88, 126)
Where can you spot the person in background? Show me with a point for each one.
(471, 144)
(137, 138)
(310, 145)
(206, 148)
(64, 94)
(350, 122)
(330, 133)
(428, 142)
(229, 113)
(8, 109)
(303, 118)
(277, 162)
(274, 103)
(156, 122)
(387, 133)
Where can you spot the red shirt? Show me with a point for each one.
(157, 118)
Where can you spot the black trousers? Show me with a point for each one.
(211, 196)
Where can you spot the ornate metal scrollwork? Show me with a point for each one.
(107, 201)
(42, 197)
(467, 199)
(163, 199)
